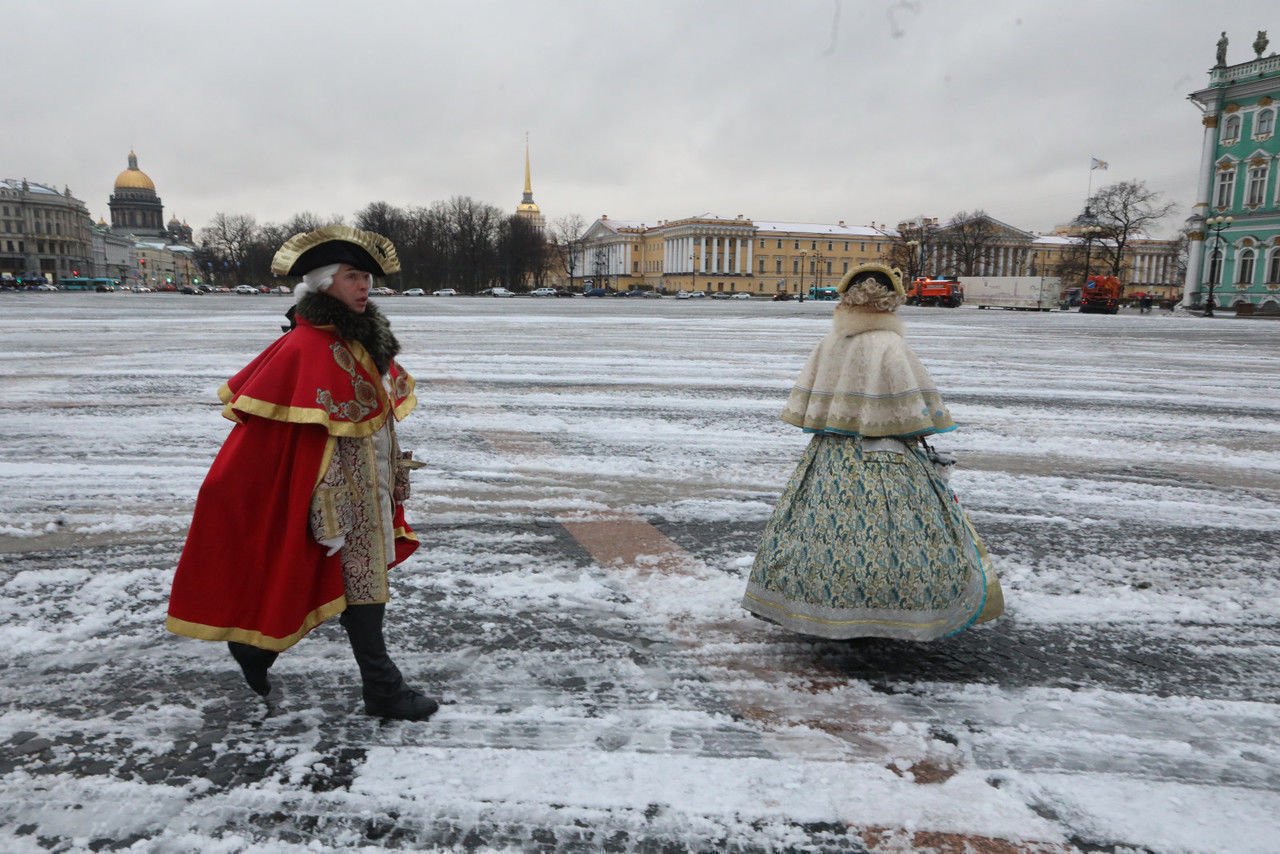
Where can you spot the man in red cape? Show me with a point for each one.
(302, 511)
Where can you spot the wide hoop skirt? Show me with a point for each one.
(868, 542)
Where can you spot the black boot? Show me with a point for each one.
(255, 663)
(385, 693)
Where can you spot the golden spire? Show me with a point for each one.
(527, 203)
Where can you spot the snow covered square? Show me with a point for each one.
(597, 475)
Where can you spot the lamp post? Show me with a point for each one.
(817, 271)
(803, 256)
(693, 272)
(1090, 233)
(1217, 259)
(913, 246)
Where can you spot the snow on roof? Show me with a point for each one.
(826, 228)
(32, 186)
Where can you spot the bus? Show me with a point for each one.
(80, 284)
(816, 293)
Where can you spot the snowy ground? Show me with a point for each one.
(598, 473)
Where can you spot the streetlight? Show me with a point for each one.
(1218, 259)
(913, 246)
(693, 271)
(800, 286)
(1090, 233)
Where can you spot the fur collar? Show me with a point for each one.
(371, 328)
(849, 321)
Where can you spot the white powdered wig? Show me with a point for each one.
(315, 281)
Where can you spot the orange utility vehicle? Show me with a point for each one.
(944, 292)
(1100, 295)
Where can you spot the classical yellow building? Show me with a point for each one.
(710, 253)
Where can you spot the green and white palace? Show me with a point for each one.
(1235, 225)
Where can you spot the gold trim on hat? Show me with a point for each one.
(894, 274)
(382, 249)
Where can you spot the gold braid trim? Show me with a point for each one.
(200, 631)
(380, 248)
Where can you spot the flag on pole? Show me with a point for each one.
(1097, 164)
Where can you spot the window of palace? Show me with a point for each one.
(761, 265)
(778, 266)
(846, 246)
(1264, 123)
(1231, 130)
(813, 244)
(795, 265)
(1273, 267)
(828, 245)
(797, 245)
(846, 267)
(1257, 188)
(1244, 271)
(1226, 187)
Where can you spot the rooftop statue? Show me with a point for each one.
(1222, 50)
(1260, 43)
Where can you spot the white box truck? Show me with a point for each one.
(1022, 293)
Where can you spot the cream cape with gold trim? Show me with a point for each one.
(863, 380)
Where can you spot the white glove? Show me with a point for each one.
(333, 545)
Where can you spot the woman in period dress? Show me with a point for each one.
(867, 539)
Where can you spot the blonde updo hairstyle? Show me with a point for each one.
(872, 287)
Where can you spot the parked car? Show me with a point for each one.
(496, 292)
(382, 291)
(697, 294)
(246, 289)
(442, 292)
(721, 295)
(415, 292)
(46, 287)
(783, 297)
(563, 293)
(543, 292)
(191, 289)
(742, 295)
(595, 292)
(684, 295)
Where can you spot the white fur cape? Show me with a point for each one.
(863, 380)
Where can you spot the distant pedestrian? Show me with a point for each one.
(867, 539)
(301, 514)
(1144, 304)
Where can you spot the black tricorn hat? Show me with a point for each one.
(336, 244)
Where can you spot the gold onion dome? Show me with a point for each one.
(134, 178)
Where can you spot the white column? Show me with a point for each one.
(751, 264)
(1195, 251)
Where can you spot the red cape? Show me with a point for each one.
(251, 570)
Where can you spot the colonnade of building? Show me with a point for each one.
(708, 253)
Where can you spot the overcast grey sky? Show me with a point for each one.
(793, 110)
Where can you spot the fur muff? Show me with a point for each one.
(371, 328)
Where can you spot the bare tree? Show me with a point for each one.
(565, 242)
(968, 236)
(1125, 211)
(911, 247)
(522, 253)
(230, 239)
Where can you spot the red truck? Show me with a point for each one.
(1100, 295)
(926, 291)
